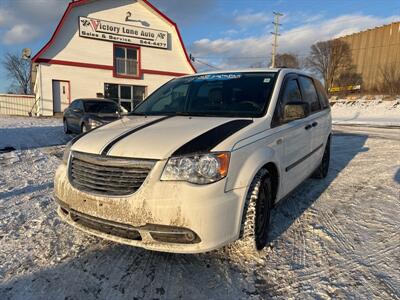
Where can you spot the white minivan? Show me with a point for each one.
(200, 163)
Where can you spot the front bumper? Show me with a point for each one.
(206, 216)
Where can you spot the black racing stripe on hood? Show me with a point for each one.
(208, 140)
(128, 133)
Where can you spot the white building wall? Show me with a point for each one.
(86, 82)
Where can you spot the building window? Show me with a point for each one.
(128, 96)
(126, 61)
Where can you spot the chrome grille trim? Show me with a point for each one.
(110, 176)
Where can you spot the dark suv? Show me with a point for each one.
(86, 114)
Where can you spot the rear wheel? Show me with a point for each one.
(256, 215)
(65, 125)
(322, 170)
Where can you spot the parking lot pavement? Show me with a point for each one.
(335, 238)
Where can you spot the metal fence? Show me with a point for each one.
(17, 105)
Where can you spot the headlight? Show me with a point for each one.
(199, 169)
(94, 123)
(67, 152)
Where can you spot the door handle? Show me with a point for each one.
(308, 127)
(315, 124)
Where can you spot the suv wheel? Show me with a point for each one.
(256, 214)
(65, 126)
(322, 170)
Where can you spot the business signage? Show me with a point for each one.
(122, 33)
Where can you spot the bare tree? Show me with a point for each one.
(330, 59)
(287, 60)
(18, 71)
(390, 80)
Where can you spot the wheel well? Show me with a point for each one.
(273, 171)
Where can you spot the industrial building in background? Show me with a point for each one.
(376, 57)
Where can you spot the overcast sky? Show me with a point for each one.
(223, 33)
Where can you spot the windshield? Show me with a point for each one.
(101, 107)
(219, 95)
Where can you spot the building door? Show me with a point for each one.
(61, 95)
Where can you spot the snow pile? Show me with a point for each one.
(366, 112)
(28, 133)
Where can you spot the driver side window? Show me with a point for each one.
(291, 93)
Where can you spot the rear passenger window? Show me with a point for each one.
(323, 97)
(310, 93)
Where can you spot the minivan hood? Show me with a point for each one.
(151, 137)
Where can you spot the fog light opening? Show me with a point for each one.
(175, 236)
(190, 237)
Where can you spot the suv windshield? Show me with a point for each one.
(219, 95)
(100, 107)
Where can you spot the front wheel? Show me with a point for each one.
(323, 168)
(256, 215)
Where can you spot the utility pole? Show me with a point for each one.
(275, 34)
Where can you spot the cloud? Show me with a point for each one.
(21, 33)
(187, 11)
(255, 50)
(40, 11)
(23, 20)
(3, 16)
(248, 19)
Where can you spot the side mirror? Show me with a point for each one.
(295, 111)
(122, 111)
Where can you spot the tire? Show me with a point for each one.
(256, 215)
(322, 171)
(65, 126)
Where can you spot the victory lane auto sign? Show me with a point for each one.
(117, 32)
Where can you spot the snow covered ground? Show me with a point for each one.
(335, 238)
(367, 112)
(28, 133)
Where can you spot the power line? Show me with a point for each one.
(195, 59)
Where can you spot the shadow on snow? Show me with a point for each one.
(32, 137)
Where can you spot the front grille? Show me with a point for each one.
(108, 175)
